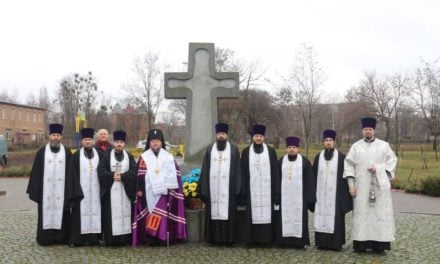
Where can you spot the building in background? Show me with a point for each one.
(22, 124)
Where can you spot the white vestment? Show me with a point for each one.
(91, 204)
(160, 176)
(372, 222)
(120, 203)
(260, 186)
(325, 207)
(53, 187)
(292, 197)
(219, 182)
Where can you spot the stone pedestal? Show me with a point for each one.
(195, 223)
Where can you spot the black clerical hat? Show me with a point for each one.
(292, 141)
(87, 132)
(55, 129)
(155, 134)
(259, 129)
(329, 133)
(221, 127)
(119, 135)
(368, 122)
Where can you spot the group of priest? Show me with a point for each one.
(101, 194)
(276, 194)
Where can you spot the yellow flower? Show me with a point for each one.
(185, 184)
(194, 194)
(192, 187)
(185, 192)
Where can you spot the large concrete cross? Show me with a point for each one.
(201, 86)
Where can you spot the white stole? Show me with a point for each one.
(292, 197)
(219, 182)
(53, 187)
(120, 203)
(260, 186)
(91, 204)
(160, 176)
(326, 193)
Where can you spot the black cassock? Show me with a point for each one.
(257, 233)
(344, 204)
(35, 191)
(309, 190)
(221, 231)
(106, 182)
(75, 195)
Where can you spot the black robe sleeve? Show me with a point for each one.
(35, 185)
(242, 197)
(105, 175)
(277, 200)
(74, 190)
(274, 173)
(67, 180)
(309, 184)
(203, 186)
(346, 199)
(235, 155)
(129, 179)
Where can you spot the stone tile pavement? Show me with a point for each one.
(417, 241)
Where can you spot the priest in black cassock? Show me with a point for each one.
(117, 176)
(84, 193)
(220, 183)
(333, 199)
(295, 189)
(47, 187)
(259, 171)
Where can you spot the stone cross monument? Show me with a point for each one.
(201, 86)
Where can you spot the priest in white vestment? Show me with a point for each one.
(84, 193)
(259, 172)
(369, 166)
(333, 200)
(295, 190)
(47, 187)
(117, 177)
(220, 184)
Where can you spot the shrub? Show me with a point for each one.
(431, 186)
(13, 171)
(397, 184)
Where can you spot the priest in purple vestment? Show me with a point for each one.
(159, 212)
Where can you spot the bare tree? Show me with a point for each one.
(427, 94)
(145, 90)
(302, 87)
(6, 97)
(384, 93)
(76, 93)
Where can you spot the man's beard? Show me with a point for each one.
(221, 144)
(55, 144)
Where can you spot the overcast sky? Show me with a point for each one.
(42, 41)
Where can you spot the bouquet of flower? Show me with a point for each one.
(190, 182)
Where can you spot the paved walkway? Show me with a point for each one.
(417, 239)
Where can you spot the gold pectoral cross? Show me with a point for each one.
(220, 159)
(290, 173)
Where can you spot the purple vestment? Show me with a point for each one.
(172, 220)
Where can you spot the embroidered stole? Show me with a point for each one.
(91, 204)
(326, 193)
(53, 187)
(292, 197)
(219, 182)
(120, 203)
(260, 186)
